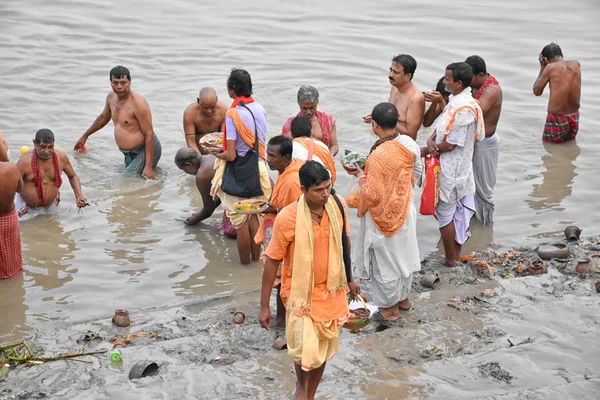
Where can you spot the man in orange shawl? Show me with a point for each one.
(387, 251)
(308, 148)
(286, 191)
(307, 237)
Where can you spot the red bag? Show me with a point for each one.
(431, 189)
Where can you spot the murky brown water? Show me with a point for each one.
(131, 249)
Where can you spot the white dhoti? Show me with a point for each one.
(389, 260)
(485, 164)
(26, 212)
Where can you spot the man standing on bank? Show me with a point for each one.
(131, 115)
(486, 90)
(562, 121)
(307, 238)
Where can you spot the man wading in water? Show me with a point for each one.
(131, 115)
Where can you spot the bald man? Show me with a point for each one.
(204, 116)
(202, 166)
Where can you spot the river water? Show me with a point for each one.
(130, 248)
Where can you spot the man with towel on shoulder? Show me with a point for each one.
(307, 238)
(11, 261)
(387, 250)
(453, 141)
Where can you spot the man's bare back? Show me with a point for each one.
(564, 77)
(196, 123)
(491, 105)
(3, 148)
(10, 183)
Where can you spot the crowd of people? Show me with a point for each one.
(302, 236)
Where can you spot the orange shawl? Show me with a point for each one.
(286, 191)
(246, 133)
(386, 186)
(322, 153)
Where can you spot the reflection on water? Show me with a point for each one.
(48, 252)
(557, 177)
(12, 310)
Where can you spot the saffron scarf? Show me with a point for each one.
(236, 102)
(323, 154)
(37, 179)
(300, 301)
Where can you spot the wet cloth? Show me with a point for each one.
(135, 159)
(485, 164)
(561, 128)
(227, 200)
(317, 150)
(313, 286)
(327, 122)
(390, 261)
(24, 210)
(11, 259)
(460, 211)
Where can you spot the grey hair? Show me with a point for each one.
(308, 92)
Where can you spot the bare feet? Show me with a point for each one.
(451, 263)
(193, 219)
(404, 305)
(390, 314)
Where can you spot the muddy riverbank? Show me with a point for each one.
(479, 334)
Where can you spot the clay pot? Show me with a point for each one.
(280, 343)
(143, 369)
(430, 280)
(537, 267)
(583, 265)
(555, 250)
(597, 285)
(239, 317)
(121, 318)
(572, 233)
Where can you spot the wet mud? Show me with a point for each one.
(482, 333)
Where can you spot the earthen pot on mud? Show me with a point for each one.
(537, 267)
(583, 265)
(555, 250)
(572, 233)
(430, 280)
(121, 318)
(143, 369)
(239, 317)
(597, 285)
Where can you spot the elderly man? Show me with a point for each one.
(204, 116)
(387, 250)
(132, 118)
(307, 148)
(405, 95)
(307, 238)
(453, 141)
(562, 121)
(486, 90)
(323, 124)
(202, 167)
(11, 262)
(41, 171)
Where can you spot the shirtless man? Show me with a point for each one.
(407, 98)
(11, 261)
(562, 121)
(486, 90)
(41, 171)
(202, 166)
(132, 118)
(204, 116)
(3, 148)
